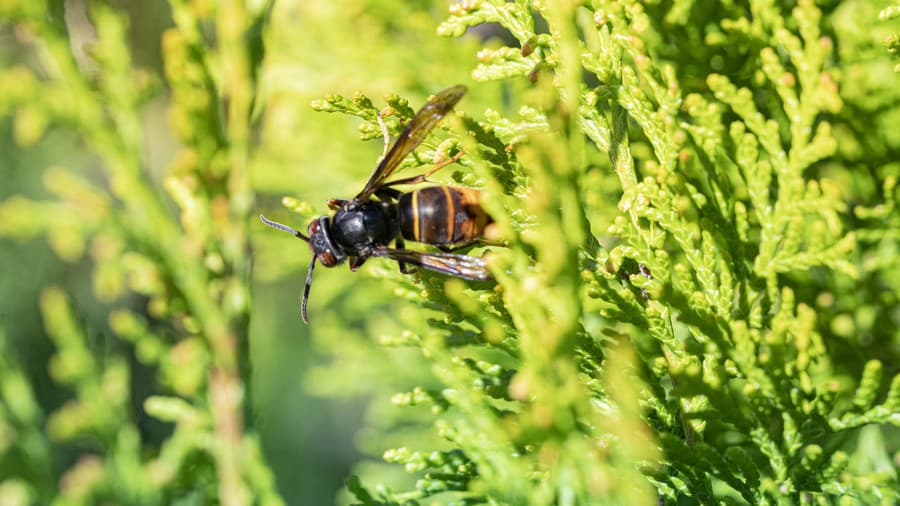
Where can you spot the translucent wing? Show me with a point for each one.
(461, 266)
(413, 135)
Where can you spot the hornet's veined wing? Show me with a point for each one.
(462, 266)
(413, 135)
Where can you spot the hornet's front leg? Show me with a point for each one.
(356, 262)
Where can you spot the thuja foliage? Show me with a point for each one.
(892, 41)
(185, 253)
(696, 303)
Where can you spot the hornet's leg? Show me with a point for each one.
(465, 244)
(356, 262)
(404, 269)
(389, 194)
(335, 204)
(422, 177)
(458, 246)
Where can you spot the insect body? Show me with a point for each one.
(448, 217)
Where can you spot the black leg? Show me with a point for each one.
(465, 244)
(356, 262)
(422, 177)
(404, 269)
(388, 194)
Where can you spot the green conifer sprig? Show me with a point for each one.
(191, 272)
(721, 211)
(892, 42)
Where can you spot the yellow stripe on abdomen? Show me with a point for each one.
(451, 214)
(415, 215)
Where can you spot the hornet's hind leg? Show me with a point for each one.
(478, 241)
(424, 176)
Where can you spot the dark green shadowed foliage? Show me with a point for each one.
(696, 303)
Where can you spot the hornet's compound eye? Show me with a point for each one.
(327, 259)
(320, 244)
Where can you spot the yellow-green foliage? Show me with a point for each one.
(697, 303)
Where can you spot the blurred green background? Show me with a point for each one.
(313, 48)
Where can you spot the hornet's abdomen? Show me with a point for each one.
(442, 215)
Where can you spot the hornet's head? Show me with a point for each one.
(322, 245)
